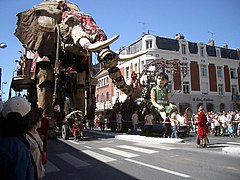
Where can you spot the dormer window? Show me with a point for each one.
(183, 49)
(202, 51)
(148, 44)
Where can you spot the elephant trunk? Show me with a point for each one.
(110, 60)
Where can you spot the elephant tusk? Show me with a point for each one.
(131, 56)
(85, 43)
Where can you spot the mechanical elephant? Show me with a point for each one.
(62, 42)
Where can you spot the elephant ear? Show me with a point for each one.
(36, 28)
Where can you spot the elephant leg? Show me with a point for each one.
(45, 94)
(80, 100)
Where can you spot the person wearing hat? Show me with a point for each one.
(16, 161)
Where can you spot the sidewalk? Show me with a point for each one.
(134, 138)
(235, 151)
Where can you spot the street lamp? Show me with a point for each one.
(2, 92)
(3, 45)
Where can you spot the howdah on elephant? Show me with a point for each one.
(62, 42)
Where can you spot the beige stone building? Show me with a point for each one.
(212, 79)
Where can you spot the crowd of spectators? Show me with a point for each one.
(220, 123)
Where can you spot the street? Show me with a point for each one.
(104, 157)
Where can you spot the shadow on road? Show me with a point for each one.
(91, 169)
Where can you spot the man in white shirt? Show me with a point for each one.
(148, 123)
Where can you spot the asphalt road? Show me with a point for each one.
(101, 157)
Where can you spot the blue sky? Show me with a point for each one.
(197, 20)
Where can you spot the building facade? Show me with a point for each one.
(211, 79)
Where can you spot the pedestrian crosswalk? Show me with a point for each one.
(104, 154)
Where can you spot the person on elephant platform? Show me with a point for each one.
(62, 5)
(160, 98)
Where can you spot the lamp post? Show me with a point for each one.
(2, 92)
(3, 45)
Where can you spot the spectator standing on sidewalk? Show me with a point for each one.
(217, 124)
(234, 123)
(36, 144)
(148, 122)
(15, 156)
(43, 132)
(202, 127)
(135, 121)
(102, 121)
(119, 121)
(223, 120)
(174, 123)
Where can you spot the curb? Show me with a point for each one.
(136, 138)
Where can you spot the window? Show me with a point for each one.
(142, 65)
(148, 44)
(117, 94)
(185, 69)
(135, 68)
(233, 73)
(169, 86)
(220, 89)
(97, 100)
(218, 52)
(107, 96)
(204, 88)
(186, 87)
(203, 70)
(127, 72)
(202, 51)
(219, 72)
(234, 90)
(102, 98)
(183, 49)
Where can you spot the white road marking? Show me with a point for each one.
(50, 167)
(72, 141)
(119, 152)
(72, 160)
(157, 146)
(143, 150)
(88, 147)
(98, 156)
(159, 168)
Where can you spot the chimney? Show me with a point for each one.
(211, 42)
(225, 45)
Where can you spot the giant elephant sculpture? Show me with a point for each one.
(62, 42)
